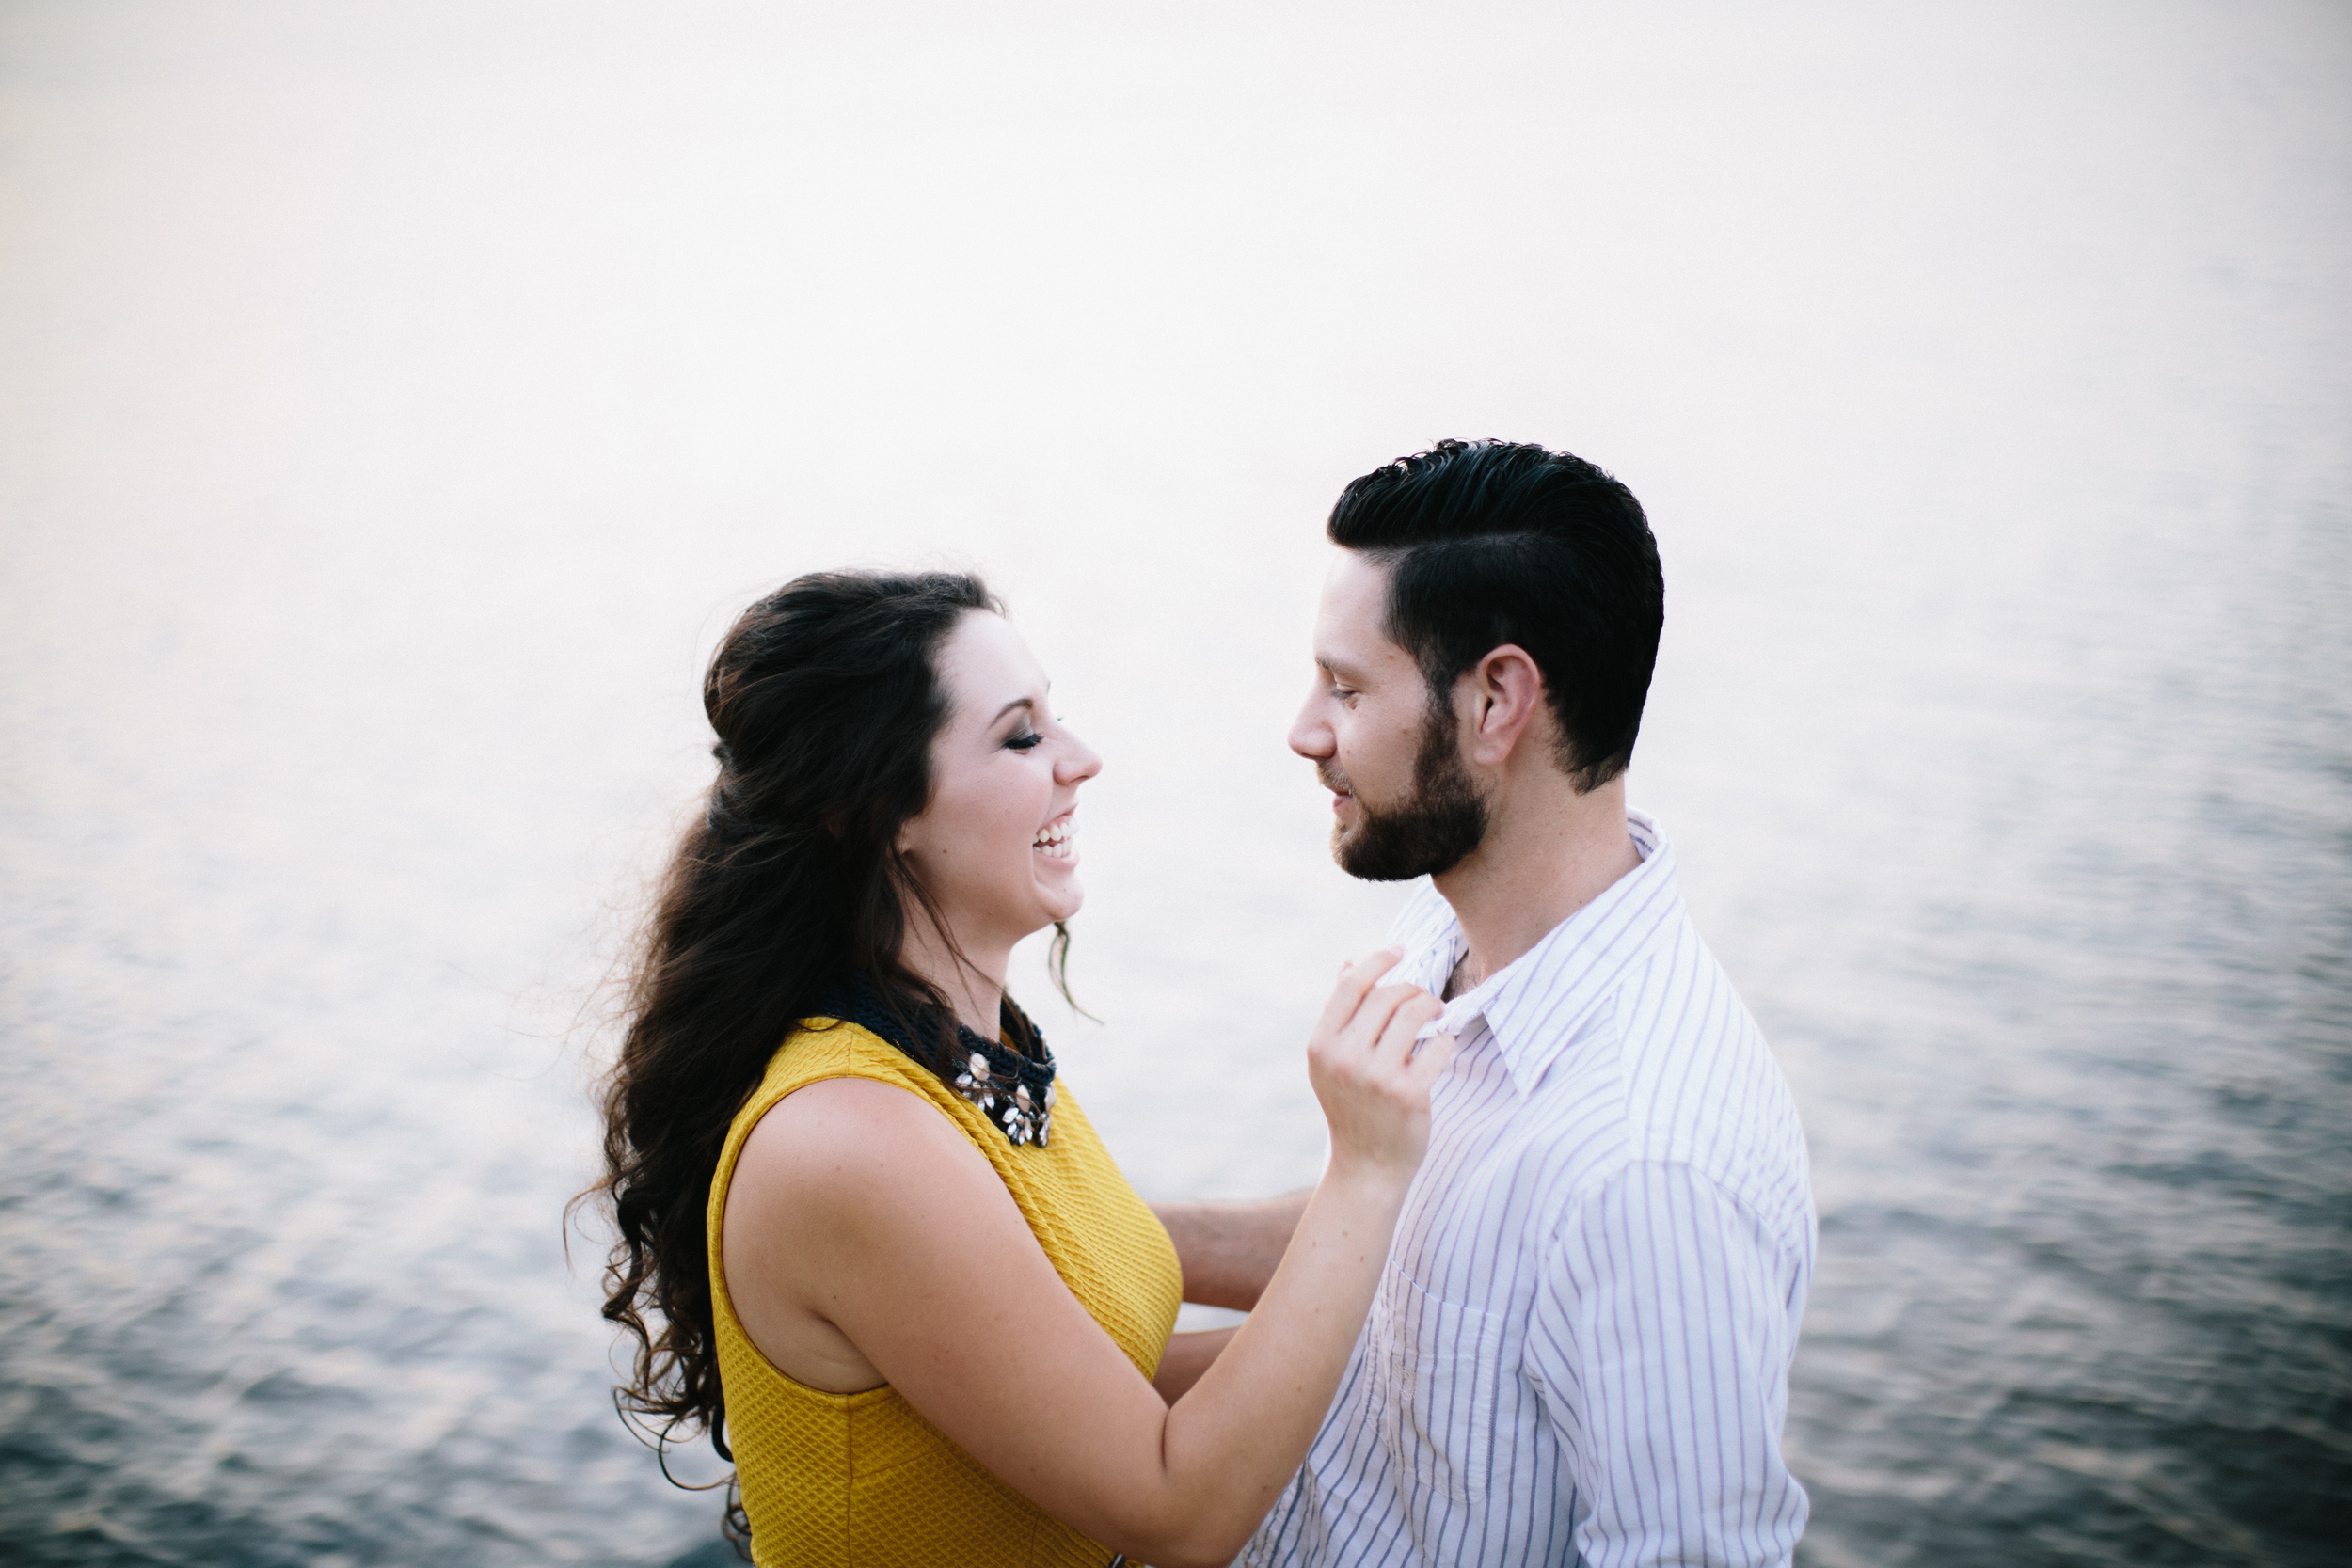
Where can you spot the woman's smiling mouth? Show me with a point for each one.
(1054, 839)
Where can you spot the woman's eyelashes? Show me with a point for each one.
(1028, 737)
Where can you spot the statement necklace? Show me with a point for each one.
(1013, 1089)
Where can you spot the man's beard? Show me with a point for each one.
(1432, 832)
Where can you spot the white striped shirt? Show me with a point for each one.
(1580, 1348)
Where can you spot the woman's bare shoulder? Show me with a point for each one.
(846, 1183)
(838, 1137)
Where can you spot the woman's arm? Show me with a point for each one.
(858, 1205)
(1229, 1253)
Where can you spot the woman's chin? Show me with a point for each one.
(1062, 898)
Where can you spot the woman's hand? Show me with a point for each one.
(1373, 1081)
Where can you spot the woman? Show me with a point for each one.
(894, 1271)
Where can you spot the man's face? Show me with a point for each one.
(1403, 804)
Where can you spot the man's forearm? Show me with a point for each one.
(1185, 1359)
(1230, 1250)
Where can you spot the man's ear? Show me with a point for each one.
(1506, 692)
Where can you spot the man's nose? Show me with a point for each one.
(1310, 737)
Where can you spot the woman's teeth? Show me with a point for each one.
(1054, 839)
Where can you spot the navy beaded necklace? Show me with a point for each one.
(1012, 1088)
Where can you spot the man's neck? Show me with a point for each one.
(1547, 853)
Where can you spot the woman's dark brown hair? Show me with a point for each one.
(825, 696)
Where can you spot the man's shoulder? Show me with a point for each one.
(1702, 1087)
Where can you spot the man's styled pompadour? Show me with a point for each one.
(1496, 541)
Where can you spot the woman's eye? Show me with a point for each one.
(1023, 742)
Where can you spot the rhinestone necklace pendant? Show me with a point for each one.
(1014, 1091)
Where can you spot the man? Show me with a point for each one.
(1580, 1352)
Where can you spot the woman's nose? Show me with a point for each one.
(1078, 763)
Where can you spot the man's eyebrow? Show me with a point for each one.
(1338, 667)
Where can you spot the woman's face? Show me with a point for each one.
(996, 848)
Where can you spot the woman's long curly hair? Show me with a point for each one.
(825, 696)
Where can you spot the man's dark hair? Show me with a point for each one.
(1496, 541)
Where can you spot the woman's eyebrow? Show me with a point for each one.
(1029, 703)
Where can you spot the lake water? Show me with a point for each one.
(396, 400)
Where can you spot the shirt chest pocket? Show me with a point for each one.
(1438, 1367)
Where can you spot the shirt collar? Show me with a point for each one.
(1537, 1003)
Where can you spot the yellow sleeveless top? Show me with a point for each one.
(862, 1478)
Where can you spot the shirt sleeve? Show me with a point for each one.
(1660, 1340)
